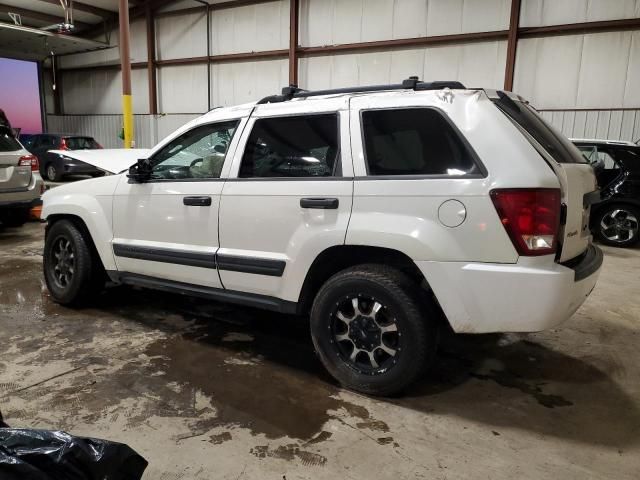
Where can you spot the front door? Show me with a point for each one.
(288, 197)
(167, 227)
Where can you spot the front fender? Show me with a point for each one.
(93, 209)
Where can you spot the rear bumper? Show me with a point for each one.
(532, 295)
(23, 198)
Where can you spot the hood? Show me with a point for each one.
(112, 160)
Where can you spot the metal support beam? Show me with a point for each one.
(294, 14)
(43, 17)
(512, 45)
(151, 59)
(83, 7)
(125, 63)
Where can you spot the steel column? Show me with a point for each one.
(125, 67)
(294, 11)
(512, 44)
(151, 58)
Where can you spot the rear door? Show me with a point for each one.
(288, 196)
(576, 176)
(13, 177)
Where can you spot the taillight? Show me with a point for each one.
(98, 145)
(63, 144)
(29, 160)
(531, 217)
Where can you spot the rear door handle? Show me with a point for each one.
(326, 203)
(197, 201)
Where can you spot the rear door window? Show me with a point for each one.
(295, 146)
(414, 141)
(556, 144)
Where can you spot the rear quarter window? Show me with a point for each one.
(7, 142)
(414, 141)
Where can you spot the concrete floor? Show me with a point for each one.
(207, 391)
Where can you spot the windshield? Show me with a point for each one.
(81, 143)
(554, 142)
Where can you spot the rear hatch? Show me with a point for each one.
(13, 177)
(577, 180)
(80, 143)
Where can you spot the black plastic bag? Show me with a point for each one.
(28, 454)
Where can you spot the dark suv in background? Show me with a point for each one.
(617, 166)
(55, 166)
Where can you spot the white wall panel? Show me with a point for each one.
(138, 32)
(535, 13)
(264, 26)
(181, 36)
(100, 91)
(474, 64)
(182, 89)
(242, 82)
(328, 22)
(580, 71)
(604, 124)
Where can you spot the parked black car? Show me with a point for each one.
(614, 221)
(55, 166)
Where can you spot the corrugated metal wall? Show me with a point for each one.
(599, 71)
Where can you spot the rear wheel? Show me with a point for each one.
(618, 225)
(72, 271)
(372, 329)
(53, 174)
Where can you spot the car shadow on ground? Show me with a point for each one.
(503, 381)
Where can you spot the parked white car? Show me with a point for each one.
(377, 210)
(20, 182)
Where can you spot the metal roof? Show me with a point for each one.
(26, 43)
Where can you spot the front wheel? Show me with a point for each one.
(617, 225)
(373, 330)
(72, 271)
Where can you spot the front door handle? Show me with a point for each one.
(197, 201)
(325, 203)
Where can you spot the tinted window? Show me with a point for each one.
(81, 143)
(556, 144)
(304, 146)
(7, 142)
(597, 157)
(198, 153)
(414, 141)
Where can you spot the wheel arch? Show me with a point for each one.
(339, 257)
(88, 215)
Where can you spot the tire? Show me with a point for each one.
(52, 173)
(623, 221)
(413, 339)
(81, 275)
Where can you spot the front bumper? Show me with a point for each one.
(532, 295)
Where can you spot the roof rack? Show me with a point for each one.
(411, 83)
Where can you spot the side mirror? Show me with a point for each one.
(141, 171)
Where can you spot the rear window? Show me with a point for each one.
(414, 141)
(556, 144)
(81, 143)
(7, 142)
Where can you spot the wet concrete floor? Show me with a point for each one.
(206, 390)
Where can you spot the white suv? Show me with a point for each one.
(373, 209)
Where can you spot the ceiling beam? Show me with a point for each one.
(43, 17)
(83, 7)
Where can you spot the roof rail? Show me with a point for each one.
(411, 83)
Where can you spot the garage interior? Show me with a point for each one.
(205, 390)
